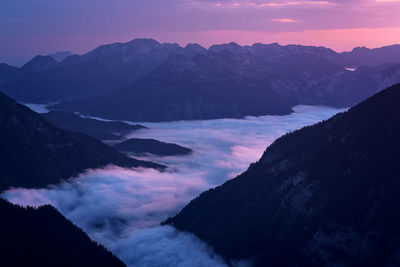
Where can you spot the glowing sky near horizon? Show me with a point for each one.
(30, 27)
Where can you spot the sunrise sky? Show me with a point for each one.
(30, 27)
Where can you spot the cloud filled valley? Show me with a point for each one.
(122, 208)
(196, 133)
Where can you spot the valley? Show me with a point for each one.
(120, 207)
(213, 145)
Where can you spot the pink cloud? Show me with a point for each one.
(292, 3)
(285, 20)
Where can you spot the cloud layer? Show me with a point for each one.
(165, 246)
(121, 208)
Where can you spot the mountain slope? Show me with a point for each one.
(103, 130)
(144, 80)
(186, 88)
(325, 195)
(234, 81)
(104, 69)
(151, 146)
(39, 64)
(113, 66)
(34, 153)
(43, 237)
(362, 56)
(7, 74)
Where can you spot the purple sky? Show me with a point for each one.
(30, 27)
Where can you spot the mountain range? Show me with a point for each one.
(324, 195)
(144, 80)
(101, 70)
(235, 81)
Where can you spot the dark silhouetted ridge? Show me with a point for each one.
(34, 153)
(325, 195)
(43, 237)
(103, 130)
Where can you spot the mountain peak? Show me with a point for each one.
(143, 42)
(61, 55)
(194, 46)
(360, 49)
(39, 63)
(232, 46)
(262, 45)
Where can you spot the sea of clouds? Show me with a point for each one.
(123, 208)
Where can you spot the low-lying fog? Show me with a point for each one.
(122, 208)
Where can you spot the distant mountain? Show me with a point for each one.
(194, 49)
(7, 74)
(234, 81)
(362, 56)
(359, 56)
(34, 153)
(251, 80)
(186, 88)
(138, 146)
(350, 87)
(43, 237)
(103, 130)
(60, 56)
(104, 69)
(39, 64)
(325, 195)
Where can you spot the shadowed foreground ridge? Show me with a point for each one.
(325, 195)
(34, 153)
(43, 237)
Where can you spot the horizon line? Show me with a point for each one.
(185, 44)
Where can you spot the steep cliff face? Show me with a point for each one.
(34, 153)
(324, 195)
